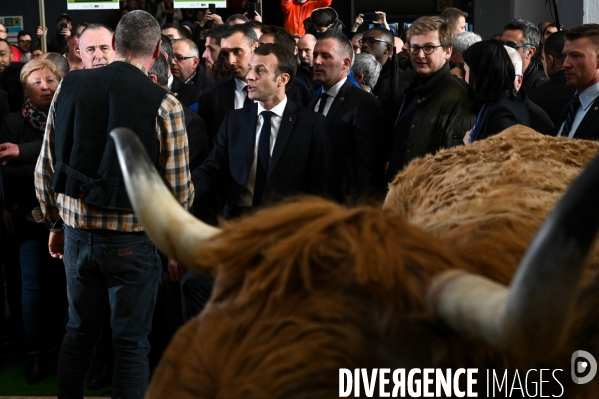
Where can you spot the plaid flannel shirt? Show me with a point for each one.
(173, 166)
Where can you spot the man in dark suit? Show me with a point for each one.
(554, 95)
(524, 37)
(581, 63)
(353, 117)
(188, 95)
(237, 46)
(269, 150)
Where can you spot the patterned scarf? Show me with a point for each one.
(34, 116)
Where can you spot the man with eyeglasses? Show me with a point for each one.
(185, 65)
(389, 88)
(436, 112)
(524, 36)
(95, 46)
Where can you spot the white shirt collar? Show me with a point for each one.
(333, 91)
(239, 84)
(588, 96)
(277, 109)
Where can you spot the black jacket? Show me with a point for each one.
(19, 187)
(553, 96)
(443, 115)
(300, 160)
(500, 115)
(533, 77)
(353, 121)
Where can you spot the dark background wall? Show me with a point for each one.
(490, 15)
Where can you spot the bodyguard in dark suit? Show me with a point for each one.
(581, 119)
(269, 150)
(237, 46)
(554, 95)
(353, 117)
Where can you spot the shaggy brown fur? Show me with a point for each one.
(308, 287)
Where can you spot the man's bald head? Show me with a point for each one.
(305, 46)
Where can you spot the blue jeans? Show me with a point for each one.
(125, 267)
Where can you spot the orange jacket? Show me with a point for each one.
(295, 13)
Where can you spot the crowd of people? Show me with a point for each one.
(236, 114)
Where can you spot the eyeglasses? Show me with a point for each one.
(371, 40)
(427, 49)
(180, 58)
(515, 46)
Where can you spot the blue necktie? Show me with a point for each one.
(572, 110)
(263, 158)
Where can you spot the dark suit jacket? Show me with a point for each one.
(202, 80)
(215, 103)
(353, 122)
(197, 138)
(589, 126)
(3, 105)
(300, 162)
(553, 96)
(500, 115)
(219, 99)
(186, 94)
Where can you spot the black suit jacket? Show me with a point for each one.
(197, 138)
(589, 126)
(300, 162)
(215, 103)
(353, 122)
(186, 94)
(500, 115)
(553, 96)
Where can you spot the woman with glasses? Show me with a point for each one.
(491, 77)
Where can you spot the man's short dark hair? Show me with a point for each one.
(587, 30)
(80, 25)
(344, 46)
(286, 60)
(530, 33)
(24, 33)
(166, 47)
(160, 69)
(217, 32)
(554, 45)
(237, 17)
(246, 29)
(7, 43)
(137, 35)
(183, 33)
(323, 16)
(256, 24)
(59, 62)
(282, 37)
(452, 15)
(95, 27)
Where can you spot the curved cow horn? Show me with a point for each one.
(531, 317)
(174, 231)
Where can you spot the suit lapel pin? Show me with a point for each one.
(290, 119)
(596, 108)
(342, 99)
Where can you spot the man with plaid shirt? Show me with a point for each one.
(84, 202)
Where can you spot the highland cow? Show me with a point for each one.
(447, 275)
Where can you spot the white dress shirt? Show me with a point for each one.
(247, 194)
(332, 92)
(587, 98)
(240, 94)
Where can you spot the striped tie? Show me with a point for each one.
(572, 110)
